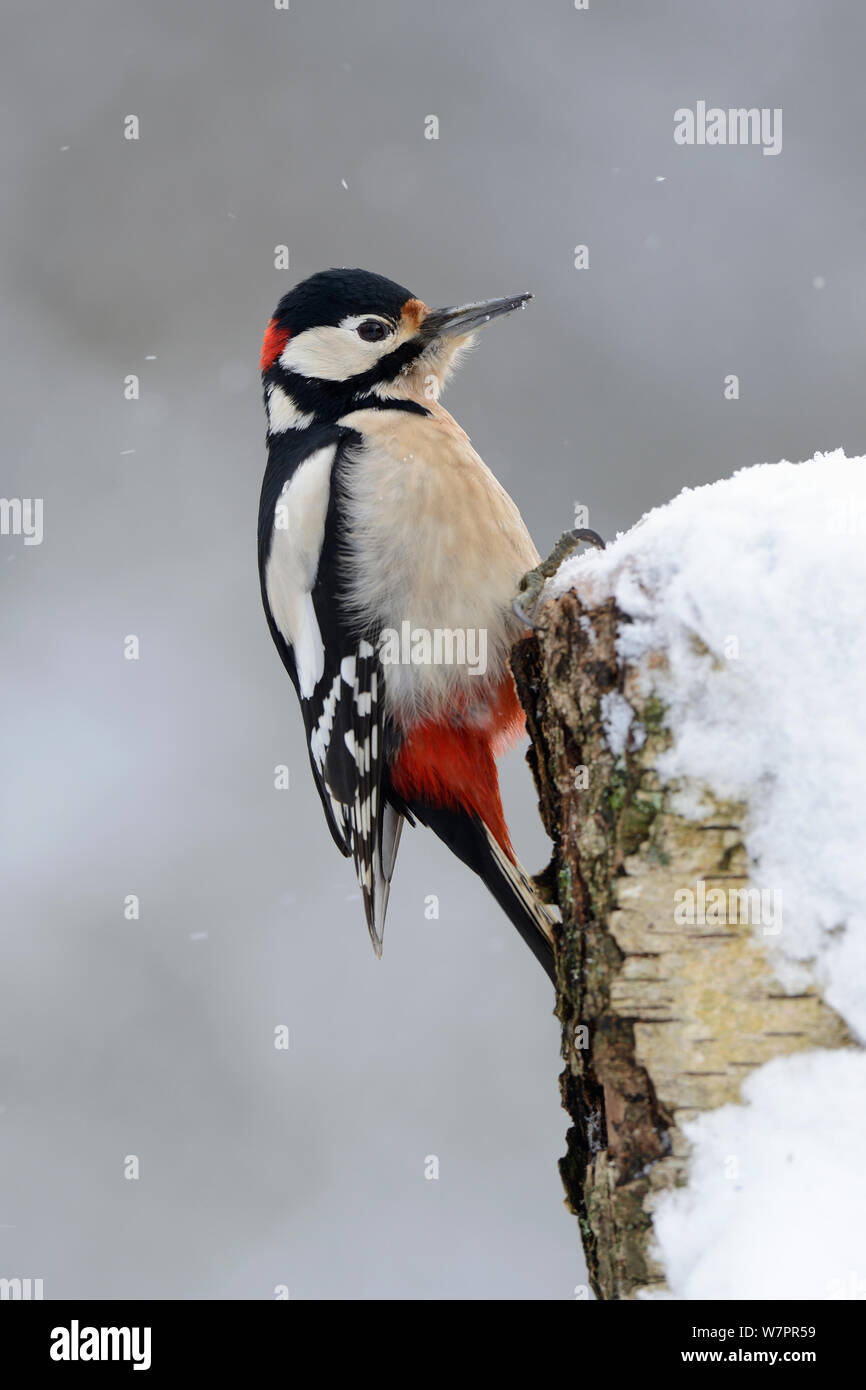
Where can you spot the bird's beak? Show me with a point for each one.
(465, 318)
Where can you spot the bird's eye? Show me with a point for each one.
(372, 331)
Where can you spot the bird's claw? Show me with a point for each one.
(534, 581)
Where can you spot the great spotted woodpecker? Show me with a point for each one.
(378, 517)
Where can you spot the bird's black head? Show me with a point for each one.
(346, 336)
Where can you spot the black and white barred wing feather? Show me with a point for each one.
(347, 744)
(338, 678)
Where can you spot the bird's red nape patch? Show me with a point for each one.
(450, 764)
(275, 340)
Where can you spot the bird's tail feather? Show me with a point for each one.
(512, 888)
(470, 839)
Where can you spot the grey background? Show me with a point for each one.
(155, 777)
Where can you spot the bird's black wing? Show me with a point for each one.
(343, 708)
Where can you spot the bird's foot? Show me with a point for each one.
(532, 583)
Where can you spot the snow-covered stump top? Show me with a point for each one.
(712, 829)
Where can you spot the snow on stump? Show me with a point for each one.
(696, 698)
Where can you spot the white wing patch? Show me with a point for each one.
(320, 737)
(299, 529)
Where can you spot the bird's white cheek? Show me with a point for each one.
(330, 354)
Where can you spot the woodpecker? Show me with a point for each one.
(378, 517)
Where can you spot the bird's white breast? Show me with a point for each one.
(433, 540)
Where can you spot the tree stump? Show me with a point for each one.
(661, 1020)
